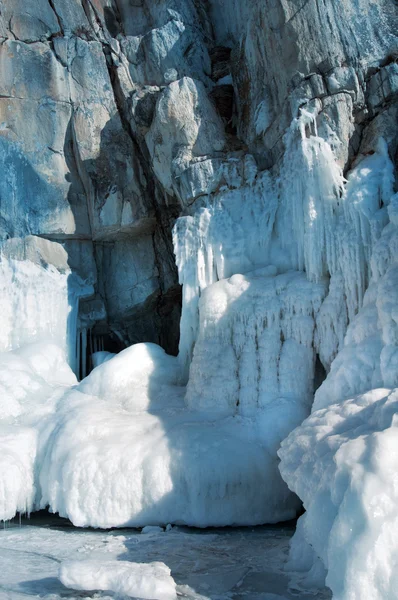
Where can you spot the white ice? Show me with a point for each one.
(32, 379)
(342, 460)
(134, 454)
(276, 271)
(150, 581)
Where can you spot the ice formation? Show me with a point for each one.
(32, 379)
(135, 455)
(150, 581)
(342, 460)
(267, 290)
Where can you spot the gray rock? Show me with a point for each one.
(383, 86)
(115, 116)
(185, 125)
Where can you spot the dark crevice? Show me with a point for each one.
(51, 3)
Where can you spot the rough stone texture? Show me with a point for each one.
(116, 115)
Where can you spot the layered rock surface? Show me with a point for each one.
(116, 117)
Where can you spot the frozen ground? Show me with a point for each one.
(231, 564)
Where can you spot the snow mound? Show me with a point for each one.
(150, 581)
(342, 462)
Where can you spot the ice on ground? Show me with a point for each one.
(225, 563)
(151, 581)
(152, 529)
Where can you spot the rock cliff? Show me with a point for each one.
(118, 116)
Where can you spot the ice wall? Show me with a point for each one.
(255, 345)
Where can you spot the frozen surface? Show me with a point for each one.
(151, 581)
(221, 563)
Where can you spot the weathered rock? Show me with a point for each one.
(186, 125)
(383, 86)
(116, 115)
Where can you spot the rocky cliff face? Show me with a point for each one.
(117, 116)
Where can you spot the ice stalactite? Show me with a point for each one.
(34, 301)
(230, 234)
(311, 185)
(254, 330)
(39, 296)
(328, 226)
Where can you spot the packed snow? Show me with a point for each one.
(151, 581)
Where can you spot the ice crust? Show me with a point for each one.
(150, 581)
